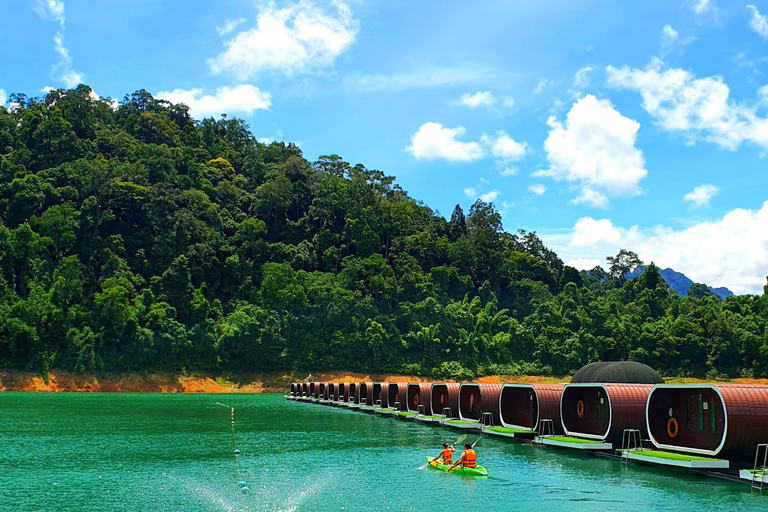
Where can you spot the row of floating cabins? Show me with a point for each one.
(619, 408)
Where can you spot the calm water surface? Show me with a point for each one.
(147, 452)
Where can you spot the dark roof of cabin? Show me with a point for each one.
(624, 372)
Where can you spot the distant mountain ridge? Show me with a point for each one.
(679, 282)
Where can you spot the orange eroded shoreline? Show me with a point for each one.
(59, 381)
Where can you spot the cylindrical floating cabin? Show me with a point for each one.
(352, 398)
(379, 394)
(397, 392)
(322, 392)
(293, 388)
(603, 411)
(476, 399)
(364, 393)
(312, 390)
(418, 394)
(342, 391)
(304, 389)
(332, 391)
(523, 406)
(445, 396)
(726, 421)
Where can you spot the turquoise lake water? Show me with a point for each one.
(152, 452)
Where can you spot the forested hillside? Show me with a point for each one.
(137, 238)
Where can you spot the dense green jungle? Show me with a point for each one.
(135, 238)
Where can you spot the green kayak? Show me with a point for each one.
(458, 470)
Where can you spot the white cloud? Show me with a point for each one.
(433, 142)
(62, 71)
(470, 192)
(229, 26)
(479, 99)
(508, 101)
(489, 197)
(508, 171)
(537, 188)
(701, 195)
(758, 22)
(543, 83)
(671, 41)
(3, 97)
(505, 147)
(696, 107)
(584, 263)
(595, 148)
(242, 99)
(426, 78)
(51, 10)
(296, 39)
(581, 79)
(702, 6)
(731, 251)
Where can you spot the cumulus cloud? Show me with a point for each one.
(537, 188)
(595, 149)
(3, 97)
(701, 195)
(62, 71)
(296, 39)
(505, 147)
(470, 192)
(479, 99)
(489, 197)
(696, 107)
(584, 263)
(581, 78)
(508, 101)
(508, 171)
(758, 22)
(242, 99)
(731, 251)
(433, 141)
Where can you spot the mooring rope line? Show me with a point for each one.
(242, 483)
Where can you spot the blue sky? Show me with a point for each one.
(597, 124)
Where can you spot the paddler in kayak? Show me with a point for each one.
(446, 455)
(467, 459)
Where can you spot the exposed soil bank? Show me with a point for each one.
(58, 381)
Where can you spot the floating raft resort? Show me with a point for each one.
(621, 410)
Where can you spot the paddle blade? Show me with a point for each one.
(461, 439)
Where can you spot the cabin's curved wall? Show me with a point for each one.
(442, 395)
(332, 391)
(304, 389)
(322, 392)
(312, 389)
(418, 394)
(475, 399)
(352, 395)
(293, 389)
(525, 405)
(379, 393)
(364, 391)
(721, 420)
(608, 410)
(344, 392)
(398, 392)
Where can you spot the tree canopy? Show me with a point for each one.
(134, 237)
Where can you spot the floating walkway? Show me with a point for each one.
(574, 443)
(678, 460)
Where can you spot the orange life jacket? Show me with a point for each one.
(447, 455)
(469, 458)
